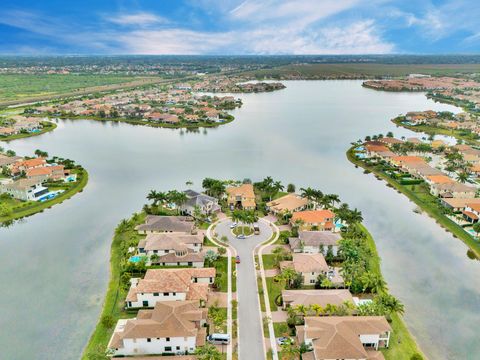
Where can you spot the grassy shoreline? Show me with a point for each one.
(41, 206)
(149, 124)
(47, 126)
(434, 212)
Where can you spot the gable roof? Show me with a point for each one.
(313, 216)
(320, 297)
(306, 263)
(288, 202)
(166, 223)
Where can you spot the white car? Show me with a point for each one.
(233, 225)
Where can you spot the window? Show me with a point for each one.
(167, 251)
(149, 340)
(312, 281)
(168, 339)
(168, 348)
(166, 294)
(155, 294)
(190, 263)
(145, 303)
(178, 347)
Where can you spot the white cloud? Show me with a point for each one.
(140, 19)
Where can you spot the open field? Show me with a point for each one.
(18, 89)
(321, 71)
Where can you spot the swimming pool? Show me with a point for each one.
(136, 258)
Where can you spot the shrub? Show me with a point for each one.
(108, 321)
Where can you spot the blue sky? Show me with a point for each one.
(43, 27)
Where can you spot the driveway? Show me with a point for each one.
(250, 336)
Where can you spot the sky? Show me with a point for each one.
(234, 27)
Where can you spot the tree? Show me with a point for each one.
(211, 256)
(41, 153)
(317, 309)
(390, 303)
(208, 352)
(291, 188)
(390, 134)
(416, 356)
(5, 210)
(154, 258)
(108, 321)
(289, 351)
(462, 176)
(476, 227)
(217, 317)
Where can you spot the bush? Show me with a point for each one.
(222, 250)
(416, 356)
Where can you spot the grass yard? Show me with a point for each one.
(274, 289)
(269, 261)
(281, 329)
(222, 278)
(243, 229)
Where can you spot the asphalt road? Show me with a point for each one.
(251, 345)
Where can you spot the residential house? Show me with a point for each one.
(55, 172)
(322, 220)
(173, 249)
(322, 297)
(453, 190)
(310, 266)
(344, 337)
(29, 164)
(158, 224)
(458, 204)
(206, 204)
(241, 197)
(314, 242)
(25, 189)
(287, 204)
(173, 327)
(471, 213)
(170, 285)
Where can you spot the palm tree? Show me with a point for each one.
(301, 309)
(462, 177)
(317, 309)
(208, 352)
(288, 275)
(290, 351)
(189, 183)
(334, 198)
(308, 194)
(152, 196)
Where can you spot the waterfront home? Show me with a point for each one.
(288, 203)
(314, 242)
(438, 179)
(241, 197)
(453, 190)
(401, 160)
(458, 204)
(170, 285)
(390, 141)
(29, 164)
(471, 213)
(173, 249)
(173, 327)
(322, 220)
(420, 170)
(8, 161)
(310, 266)
(344, 337)
(56, 172)
(322, 297)
(25, 189)
(205, 204)
(158, 224)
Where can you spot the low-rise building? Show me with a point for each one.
(173, 249)
(206, 204)
(241, 197)
(310, 266)
(170, 285)
(25, 189)
(322, 297)
(322, 220)
(173, 327)
(453, 190)
(159, 224)
(288, 203)
(344, 337)
(313, 242)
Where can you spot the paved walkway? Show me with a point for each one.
(250, 335)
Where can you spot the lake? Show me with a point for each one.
(54, 266)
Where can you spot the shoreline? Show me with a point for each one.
(455, 230)
(40, 207)
(52, 126)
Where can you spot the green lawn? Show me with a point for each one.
(22, 209)
(402, 344)
(281, 329)
(274, 289)
(222, 278)
(269, 261)
(241, 229)
(113, 304)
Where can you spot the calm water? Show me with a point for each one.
(54, 266)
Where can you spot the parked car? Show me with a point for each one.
(233, 225)
(284, 340)
(237, 259)
(241, 236)
(219, 339)
(256, 229)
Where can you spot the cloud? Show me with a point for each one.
(140, 19)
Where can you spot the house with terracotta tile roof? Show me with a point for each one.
(170, 285)
(56, 172)
(453, 190)
(458, 204)
(438, 179)
(173, 224)
(241, 197)
(173, 249)
(322, 220)
(344, 337)
(172, 327)
(471, 213)
(288, 203)
(310, 266)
